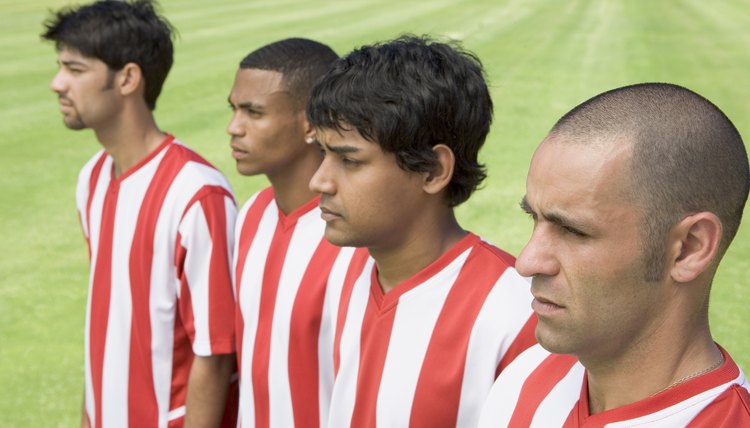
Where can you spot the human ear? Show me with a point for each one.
(696, 239)
(310, 132)
(129, 78)
(441, 174)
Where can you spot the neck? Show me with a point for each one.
(291, 186)
(425, 244)
(130, 138)
(651, 368)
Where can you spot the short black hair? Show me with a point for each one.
(687, 157)
(118, 33)
(408, 95)
(300, 61)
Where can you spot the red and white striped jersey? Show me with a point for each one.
(282, 268)
(427, 352)
(160, 240)
(551, 390)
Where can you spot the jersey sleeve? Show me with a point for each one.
(203, 263)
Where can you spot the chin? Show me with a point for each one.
(75, 125)
(553, 343)
(340, 239)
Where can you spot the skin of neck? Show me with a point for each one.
(677, 347)
(130, 136)
(431, 236)
(291, 183)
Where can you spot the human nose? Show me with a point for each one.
(57, 84)
(234, 127)
(321, 181)
(538, 257)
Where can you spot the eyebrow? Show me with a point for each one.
(69, 62)
(339, 149)
(245, 104)
(552, 217)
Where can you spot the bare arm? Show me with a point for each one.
(207, 390)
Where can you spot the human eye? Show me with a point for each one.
(573, 231)
(253, 112)
(349, 162)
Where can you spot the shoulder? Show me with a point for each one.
(192, 172)
(93, 165)
(255, 206)
(729, 409)
(536, 376)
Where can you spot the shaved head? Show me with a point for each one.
(687, 157)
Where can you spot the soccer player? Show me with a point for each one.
(424, 326)
(282, 262)
(635, 195)
(158, 219)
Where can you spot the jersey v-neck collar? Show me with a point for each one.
(169, 139)
(725, 373)
(386, 301)
(288, 220)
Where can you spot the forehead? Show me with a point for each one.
(573, 175)
(348, 136)
(253, 82)
(71, 55)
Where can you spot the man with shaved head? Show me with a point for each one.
(636, 195)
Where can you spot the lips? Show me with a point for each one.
(545, 306)
(327, 214)
(238, 153)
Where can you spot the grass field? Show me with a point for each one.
(542, 58)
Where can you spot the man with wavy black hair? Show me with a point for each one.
(426, 323)
(159, 343)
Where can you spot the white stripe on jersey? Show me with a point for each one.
(554, 409)
(115, 375)
(498, 316)
(344, 391)
(499, 405)
(328, 331)
(249, 302)
(417, 311)
(305, 239)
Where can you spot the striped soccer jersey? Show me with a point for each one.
(426, 353)
(160, 291)
(282, 269)
(550, 390)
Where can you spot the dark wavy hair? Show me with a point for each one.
(408, 95)
(118, 33)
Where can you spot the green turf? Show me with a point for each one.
(542, 57)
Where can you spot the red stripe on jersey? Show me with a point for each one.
(433, 394)
(246, 238)
(220, 299)
(303, 344)
(371, 363)
(93, 179)
(730, 409)
(100, 296)
(262, 348)
(538, 385)
(182, 358)
(523, 341)
(356, 265)
(141, 395)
